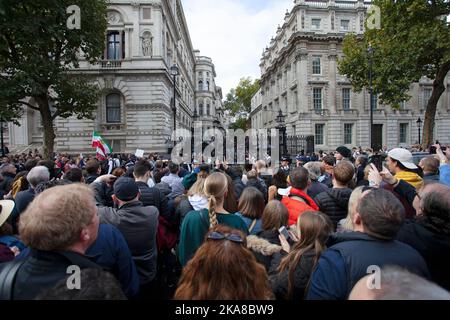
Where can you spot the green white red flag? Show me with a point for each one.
(103, 149)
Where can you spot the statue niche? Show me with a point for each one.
(147, 44)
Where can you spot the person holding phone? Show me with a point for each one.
(292, 267)
(444, 169)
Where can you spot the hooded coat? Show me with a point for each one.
(264, 246)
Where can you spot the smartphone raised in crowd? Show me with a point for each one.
(284, 232)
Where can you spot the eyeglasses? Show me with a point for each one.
(220, 236)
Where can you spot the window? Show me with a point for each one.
(374, 102)
(317, 99)
(208, 110)
(113, 108)
(207, 85)
(345, 25)
(316, 65)
(200, 85)
(426, 97)
(320, 128)
(315, 24)
(114, 50)
(348, 133)
(403, 105)
(200, 107)
(146, 13)
(346, 98)
(403, 136)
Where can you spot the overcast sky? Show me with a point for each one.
(234, 33)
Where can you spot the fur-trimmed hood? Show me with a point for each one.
(262, 246)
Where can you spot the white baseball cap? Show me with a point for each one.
(6, 208)
(403, 156)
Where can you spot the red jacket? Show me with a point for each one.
(296, 207)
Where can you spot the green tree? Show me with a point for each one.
(38, 54)
(413, 41)
(239, 99)
(241, 123)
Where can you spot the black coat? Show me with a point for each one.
(302, 274)
(155, 198)
(7, 182)
(334, 203)
(264, 246)
(434, 248)
(316, 188)
(42, 270)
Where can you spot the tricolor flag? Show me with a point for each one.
(103, 149)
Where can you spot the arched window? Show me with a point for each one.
(207, 85)
(200, 85)
(208, 110)
(200, 109)
(113, 108)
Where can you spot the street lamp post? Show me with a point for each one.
(174, 72)
(282, 127)
(1, 137)
(370, 51)
(419, 126)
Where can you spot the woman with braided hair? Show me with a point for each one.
(197, 223)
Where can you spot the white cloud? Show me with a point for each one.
(234, 33)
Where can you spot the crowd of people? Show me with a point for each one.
(319, 229)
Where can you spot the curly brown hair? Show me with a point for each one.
(224, 270)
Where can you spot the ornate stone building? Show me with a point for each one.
(144, 39)
(299, 75)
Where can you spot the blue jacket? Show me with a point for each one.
(445, 174)
(258, 225)
(344, 264)
(111, 252)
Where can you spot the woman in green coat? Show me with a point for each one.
(197, 223)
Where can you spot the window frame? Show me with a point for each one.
(321, 134)
(118, 108)
(316, 98)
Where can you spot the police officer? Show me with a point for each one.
(285, 164)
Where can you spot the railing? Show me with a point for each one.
(112, 126)
(297, 144)
(110, 64)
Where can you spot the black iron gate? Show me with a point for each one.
(300, 144)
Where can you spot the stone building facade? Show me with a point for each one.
(299, 75)
(144, 39)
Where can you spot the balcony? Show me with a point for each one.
(353, 112)
(321, 112)
(112, 126)
(109, 64)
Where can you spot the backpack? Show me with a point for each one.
(8, 277)
(167, 235)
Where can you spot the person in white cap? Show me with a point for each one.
(400, 163)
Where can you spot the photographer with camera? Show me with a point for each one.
(445, 164)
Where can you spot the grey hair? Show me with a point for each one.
(6, 168)
(400, 284)
(315, 169)
(38, 175)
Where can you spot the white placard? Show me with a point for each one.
(139, 153)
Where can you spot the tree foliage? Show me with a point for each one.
(38, 53)
(239, 99)
(413, 41)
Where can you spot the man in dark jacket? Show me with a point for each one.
(430, 167)
(334, 202)
(8, 174)
(151, 196)
(429, 233)
(93, 170)
(36, 176)
(58, 246)
(236, 175)
(138, 225)
(372, 246)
